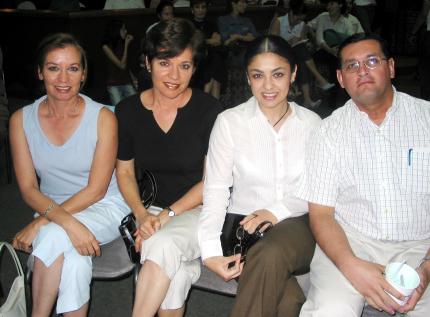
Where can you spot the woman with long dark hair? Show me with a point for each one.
(116, 44)
(253, 167)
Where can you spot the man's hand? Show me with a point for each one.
(424, 273)
(24, 238)
(368, 279)
(220, 265)
(251, 222)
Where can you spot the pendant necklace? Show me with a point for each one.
(279, 120)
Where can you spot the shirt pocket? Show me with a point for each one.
(415, 170)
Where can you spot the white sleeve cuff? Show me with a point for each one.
(210, 248)
(279, 210)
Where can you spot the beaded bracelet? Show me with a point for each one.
(48, 210)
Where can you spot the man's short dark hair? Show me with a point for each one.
(160, 7)
(362, 37)
(342, 3)
(196, 2)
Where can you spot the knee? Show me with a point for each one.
(266, 253)
(333, 306)
(76, 264)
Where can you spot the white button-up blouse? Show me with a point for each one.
(250, 166)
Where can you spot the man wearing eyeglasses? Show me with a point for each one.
(367, 180)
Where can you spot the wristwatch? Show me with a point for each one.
(171, 212)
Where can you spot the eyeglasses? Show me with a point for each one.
(370, 63)
(240, 234)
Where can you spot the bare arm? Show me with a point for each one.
(248, 37)
(214, 40)
(366, 277)
(275, 28)
(129, 188)
(98, 182)
(102, 165)
(121, 63)
(148, 223)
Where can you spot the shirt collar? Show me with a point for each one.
(390, 112)
(253, 111)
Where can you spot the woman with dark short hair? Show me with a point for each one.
(166, 130)
(254, 164)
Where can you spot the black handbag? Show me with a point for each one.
(128, 227)
(235, 239)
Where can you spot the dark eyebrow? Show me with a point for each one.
(367, 56)
(260, 71)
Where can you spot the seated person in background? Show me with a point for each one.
(423, 20)
(367, 180)
(365, 11)
(65, 5)
(292, 28)
(164, 11)
(124, 4)
(236, 32)
(165, 130)
(116, 42)
(211, 70)
(254, 163)
(356, 25)
(234, 28)
(69, 141)
(331, 28)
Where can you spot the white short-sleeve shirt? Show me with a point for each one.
(376, 177)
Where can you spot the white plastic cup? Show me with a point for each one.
(405, 280)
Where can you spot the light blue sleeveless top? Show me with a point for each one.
(64, 170)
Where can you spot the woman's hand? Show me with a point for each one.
(82, 238)
(251, 222)
(148, 225)
(128, 39)
(221, 265)
(23, 240)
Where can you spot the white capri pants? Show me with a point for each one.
(175, 249)
(332, 295)
(102, 219)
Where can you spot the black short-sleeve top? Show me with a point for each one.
(176, 158)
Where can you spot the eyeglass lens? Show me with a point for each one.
(369, 63)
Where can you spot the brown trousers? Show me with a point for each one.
(267, 285)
